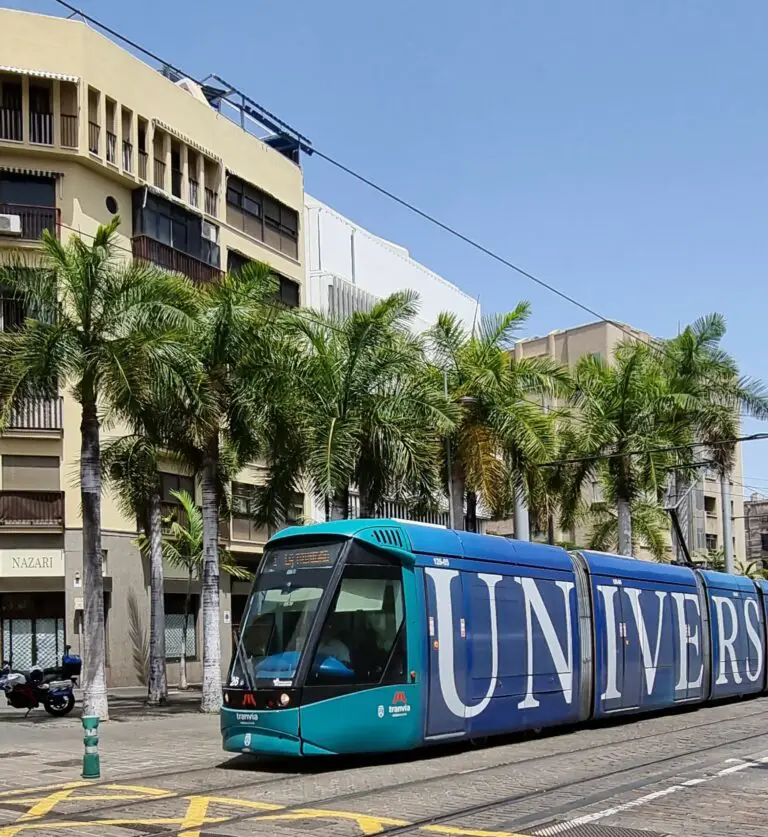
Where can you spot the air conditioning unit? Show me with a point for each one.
(210, 232)
(10, 224)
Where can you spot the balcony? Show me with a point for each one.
(11, 125)
(245, 529)
(93, 137)
(111, 148)
(127, 156)
(38, 414)
(163, 255)
(211, 202)
(194, 192)
(32, 509)
(34, 219)
(173, 513)
(143, 160)
(159, 174)
(69, 137)
(41, 128)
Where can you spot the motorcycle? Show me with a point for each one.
(51, 687)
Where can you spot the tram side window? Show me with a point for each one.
(363, 638)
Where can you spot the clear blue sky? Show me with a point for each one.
(617, 149)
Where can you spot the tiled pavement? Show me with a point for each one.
(695, 774)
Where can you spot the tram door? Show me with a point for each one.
(447, 637)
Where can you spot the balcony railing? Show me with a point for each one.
(111, 148)
(143, 160)
(245, 529)
(176, 183)
(32, 508)
(163, 255)
(34, 219)
(211, 202)
(127, 156)
(41, 128)
(69, 131)
(11, 125)
(159, 174)
(38, 414)
(93, 137)
(194, 192)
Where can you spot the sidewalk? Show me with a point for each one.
(41, 750)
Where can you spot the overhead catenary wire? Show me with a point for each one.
(312, 149)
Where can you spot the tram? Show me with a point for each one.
(376, 635)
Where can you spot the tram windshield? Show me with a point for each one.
(280, 612)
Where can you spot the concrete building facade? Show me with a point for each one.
(701, 511)
(350, 268)
(756, 525)
(88, 131)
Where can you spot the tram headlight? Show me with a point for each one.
(226, 697)
(285, 699)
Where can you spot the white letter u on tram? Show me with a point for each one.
(442, 581)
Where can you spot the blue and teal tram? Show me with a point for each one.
(376, 635)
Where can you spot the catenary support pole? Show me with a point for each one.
(725, 495)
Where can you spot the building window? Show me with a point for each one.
(710, 506)
(175, 639)
(262, 217)
(166, 222)
(26, 190)
(287, 293)
(30, 473)
(764, 541)
(711, 543)
(175, 482)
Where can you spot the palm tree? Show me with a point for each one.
(358, 409)
(502, 432)
(183, 548)
(106, 328)
(624, 419)
(650, 528)
(234, 339)
(717, 396)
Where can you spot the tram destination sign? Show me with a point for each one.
(302, 558)
(31, 563)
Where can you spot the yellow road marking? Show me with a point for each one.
(468, 832)
(197, 813)
(368, 823)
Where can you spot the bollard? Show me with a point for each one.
(91, 766)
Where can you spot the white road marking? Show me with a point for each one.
(649, 797)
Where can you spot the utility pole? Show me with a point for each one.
(725, 497)
(522, 527)
(448, 463)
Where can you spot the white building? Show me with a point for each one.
(349, 269)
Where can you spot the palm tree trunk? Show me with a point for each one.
(367, 506)
(94, 638)
(625, 527)
(471, 511)
(456, 498)
(340, 505)
(211, 701)
(158, 679)
(183, 684)
(550, 528)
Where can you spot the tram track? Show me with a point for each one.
(280, 779)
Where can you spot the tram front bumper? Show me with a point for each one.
(272, 732)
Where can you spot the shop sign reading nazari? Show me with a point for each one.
(31, 563)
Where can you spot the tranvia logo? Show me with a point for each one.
(399, 705)
(249, 699)
(247, 717)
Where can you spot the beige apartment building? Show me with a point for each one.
(88, 131)
(701, 513)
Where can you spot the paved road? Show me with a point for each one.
(689, 774)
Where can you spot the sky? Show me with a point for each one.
(618, 150)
